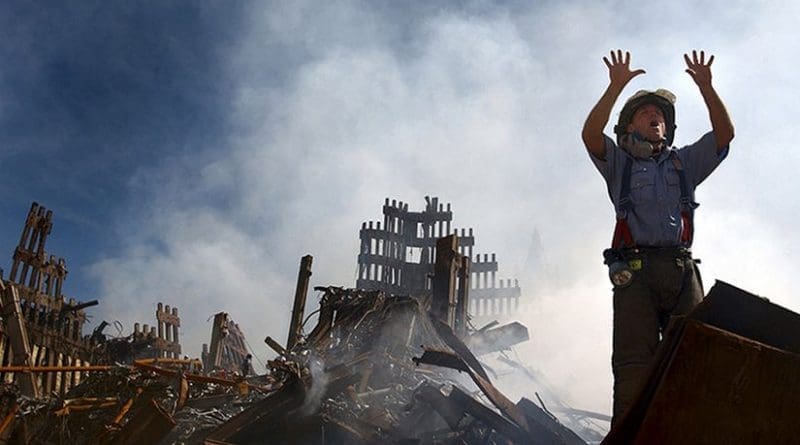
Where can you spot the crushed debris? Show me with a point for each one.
(376, 366)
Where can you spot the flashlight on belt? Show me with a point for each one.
(620, 270)
(620, 273)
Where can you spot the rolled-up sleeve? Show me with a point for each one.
(608, 166)
(701, 158)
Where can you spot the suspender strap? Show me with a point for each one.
(625, 203)
(622, 232)
(687, 231)
(622, 235)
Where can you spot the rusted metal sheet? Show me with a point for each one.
(149, 425)
(724, 388)
(711, 385)
(740, 312)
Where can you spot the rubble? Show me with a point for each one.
(376, 366)
(360, 376)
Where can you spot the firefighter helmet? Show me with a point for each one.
(661, 98)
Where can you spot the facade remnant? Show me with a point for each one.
(44, 328)
(397, 256)
(18, 335)
(228, 346)
(446, 266)
(40, 321)
(168, 343)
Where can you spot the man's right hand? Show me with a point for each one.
(620, 74)
(619, 70)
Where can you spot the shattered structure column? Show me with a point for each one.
(296, 324)
(443, 305)
(166, 331)
(218, 332)
(462, 305)
(228, 346)
(29, 255)
(18, 337)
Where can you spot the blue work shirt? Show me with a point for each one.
(655, 219)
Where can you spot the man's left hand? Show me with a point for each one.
(699, 69)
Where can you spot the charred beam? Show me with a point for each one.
(296, 323)
(443, 305)
(462, 305)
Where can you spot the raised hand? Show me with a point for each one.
(698, 68)
(619, 70)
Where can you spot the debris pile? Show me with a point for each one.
(375, 367)
(366, 373)
(149, 402)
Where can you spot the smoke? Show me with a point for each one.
(339, 106)
(318, 387)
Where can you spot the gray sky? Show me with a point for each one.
(231, 141)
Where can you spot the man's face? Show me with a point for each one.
(648, 121)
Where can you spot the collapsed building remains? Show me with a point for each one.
(228, 346)
(44, 328)
(397, 257)
(375, 367)
(379, 367)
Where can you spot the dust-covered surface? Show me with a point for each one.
(356, 377)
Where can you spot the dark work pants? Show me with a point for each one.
(665, 286)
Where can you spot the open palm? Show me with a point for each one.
(698, 68)
(619, 68)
